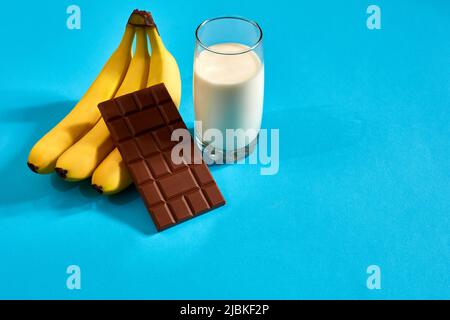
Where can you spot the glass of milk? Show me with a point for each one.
(228, 87)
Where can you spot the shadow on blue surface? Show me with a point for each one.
(39, 119)
(311, 131)
(314, 130)
(49, 190)
(138, 220)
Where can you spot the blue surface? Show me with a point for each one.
(364, 169)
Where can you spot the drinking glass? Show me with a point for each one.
(228, 87)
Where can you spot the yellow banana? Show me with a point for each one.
(85, 114)
(80, 160)
(163, 67)
(112, 176)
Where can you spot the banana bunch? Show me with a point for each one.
(80, 147)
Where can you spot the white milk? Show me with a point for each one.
(229, 93)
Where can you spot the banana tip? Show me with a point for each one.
(97, 188)
(33, 167)
(61, 172)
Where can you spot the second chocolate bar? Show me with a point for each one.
(141, 126)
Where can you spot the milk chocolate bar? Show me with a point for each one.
(141, 126)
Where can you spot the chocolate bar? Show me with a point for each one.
(141, 126)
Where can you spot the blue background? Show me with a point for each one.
(364, 171)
